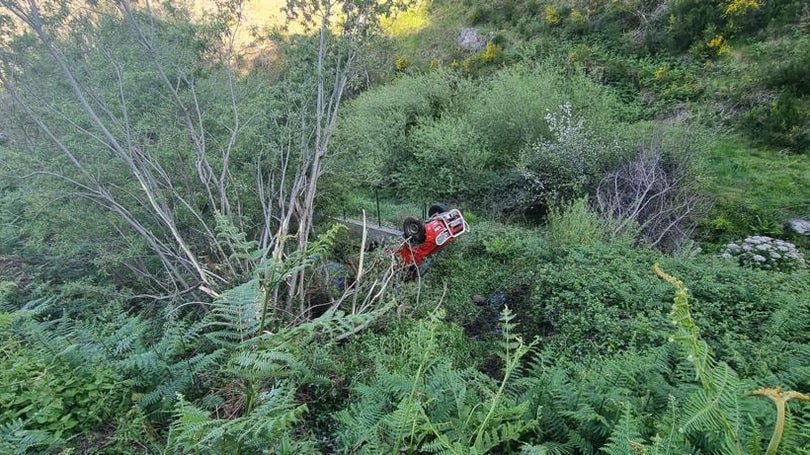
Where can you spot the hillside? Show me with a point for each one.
(634, 176)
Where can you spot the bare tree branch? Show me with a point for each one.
(654, 196)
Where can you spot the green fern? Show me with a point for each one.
(717, 414)
(18, 440)
(266, 428)
(624, 439)
(435, 407)
(236, 240)
(249, 363)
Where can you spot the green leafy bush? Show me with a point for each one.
(9, 293)
(565, 166)
(594, 299)
(575, 226)
(587, 291)
(374, 127)
(448, 160)
(774, 86)
(56, 385)
(784, 121)
(463, 143)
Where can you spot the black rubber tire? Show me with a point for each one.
(436, 208)
(414, 229)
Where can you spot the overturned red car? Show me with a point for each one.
(424, 238)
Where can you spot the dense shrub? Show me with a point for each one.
(656, 193)
(779, 93)
(603, 298)
(506, 110)
(784, 121)
(53, 385)
(440, 136)
(765, 253)
(449, 160)
(751, 317)
(374, 127)
(586, 291)
(576, 226)
(595, 299)
(566, 165)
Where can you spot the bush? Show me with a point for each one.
(779, 92)
(374, 127)
(589, 293)
(507, 112)
(448, 160)
(746, 314)
(765, 253)
(575, 225)
(657, 192)
(9, 294)
(438, 136)
(784, 122)
(53, 385)
(595, 299)
(558, 169)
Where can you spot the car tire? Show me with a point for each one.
(413, 229)
(436, 208)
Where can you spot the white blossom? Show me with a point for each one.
(765, 253)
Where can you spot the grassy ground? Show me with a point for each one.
(755, 190)
(427, 31)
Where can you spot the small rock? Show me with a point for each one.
(801, 227)
(497, 300)
(469, 39)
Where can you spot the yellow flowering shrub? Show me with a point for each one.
(576, 18)
(553, 15)
(491, 52)
(719, 45)
(401, 63)
(737, 7)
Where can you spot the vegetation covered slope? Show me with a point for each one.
(171, 282)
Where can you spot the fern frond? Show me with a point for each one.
(267, 426)
(625, 437)
(547, 448)
(579, 442)
(265, 364)
(796, 437)
(8, 320)
(18, 440)
(715, 411)
(235, 316)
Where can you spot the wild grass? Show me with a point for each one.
(410, 21)
(427, 32)
(756, 190)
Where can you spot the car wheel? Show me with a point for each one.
(436, 208)
(413, 229)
